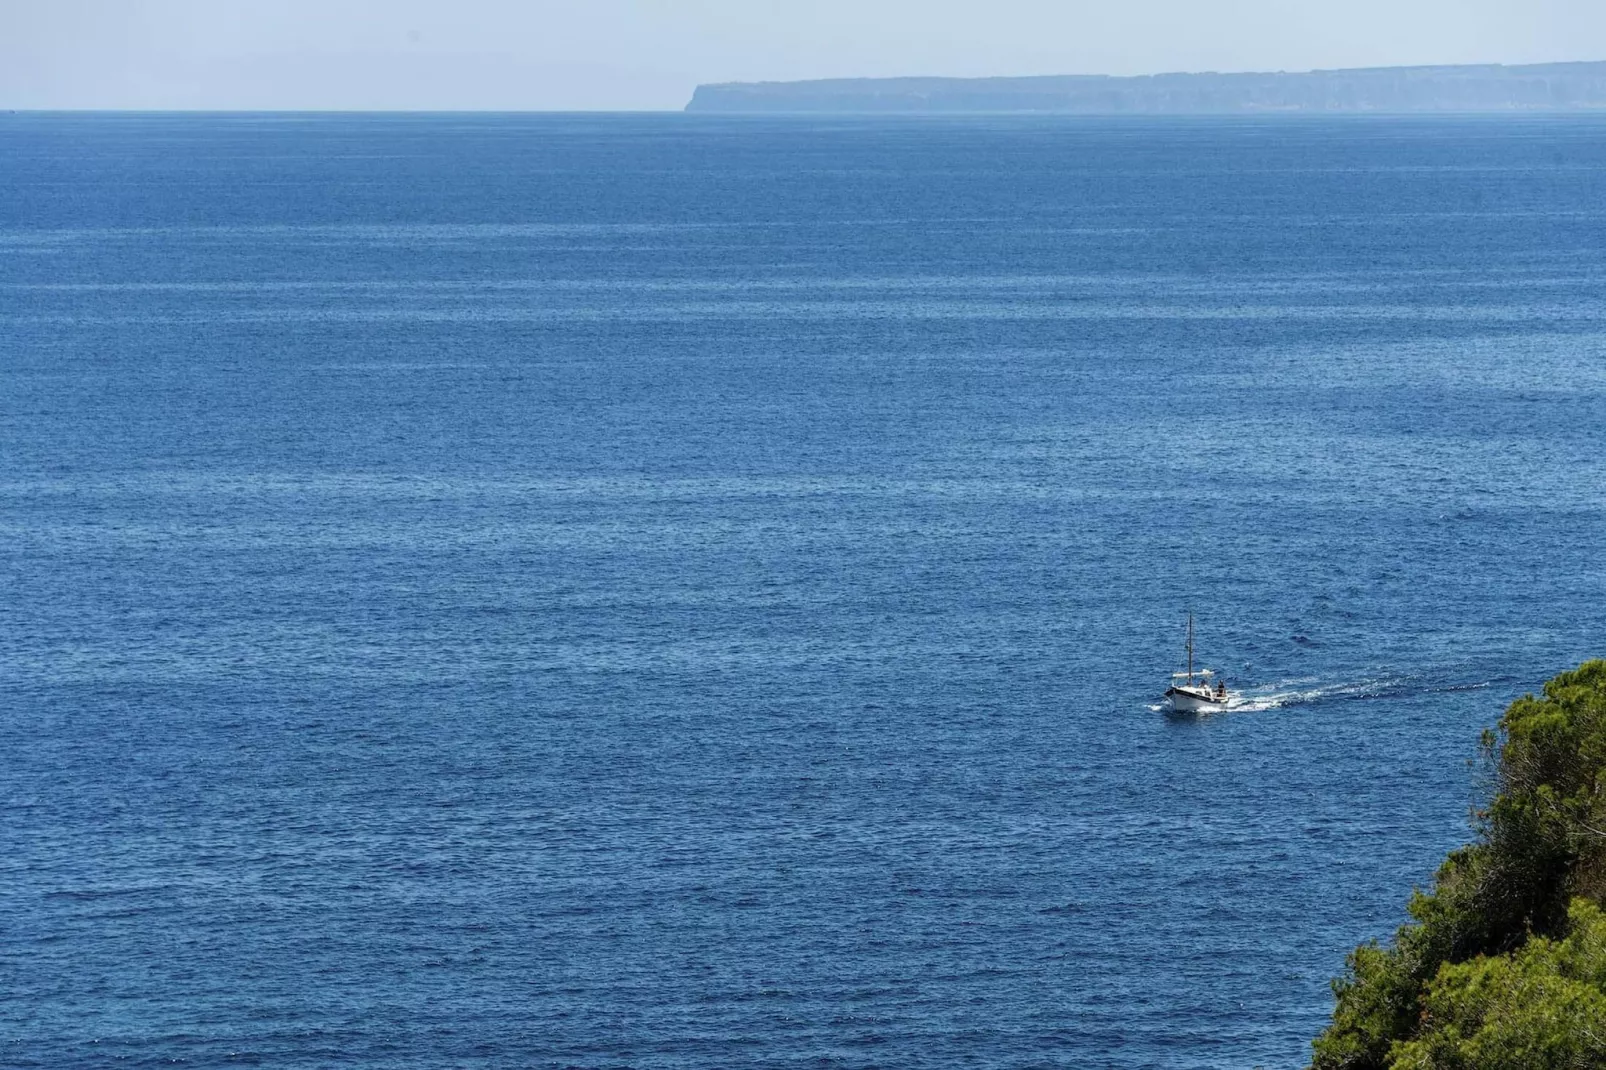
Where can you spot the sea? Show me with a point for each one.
(676, 591)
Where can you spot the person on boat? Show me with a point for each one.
(1221, 691)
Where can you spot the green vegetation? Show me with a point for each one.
(1504, 963)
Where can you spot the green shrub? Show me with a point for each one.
(1541, 842)
(1541, 1007)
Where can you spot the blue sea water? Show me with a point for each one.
(667, 591)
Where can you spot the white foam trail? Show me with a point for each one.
(1301, 692)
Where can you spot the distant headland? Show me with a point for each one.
(1547, 87)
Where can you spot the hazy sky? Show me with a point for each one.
(629, 54)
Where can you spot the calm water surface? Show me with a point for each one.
(682, 592)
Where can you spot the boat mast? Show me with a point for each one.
(1190, 649)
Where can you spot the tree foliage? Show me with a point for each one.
(1478, 974)
(1544, 1005)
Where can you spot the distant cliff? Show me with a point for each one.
(1548, 87)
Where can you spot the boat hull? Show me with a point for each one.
(1185, 701)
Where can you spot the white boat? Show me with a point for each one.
(1192, 692)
